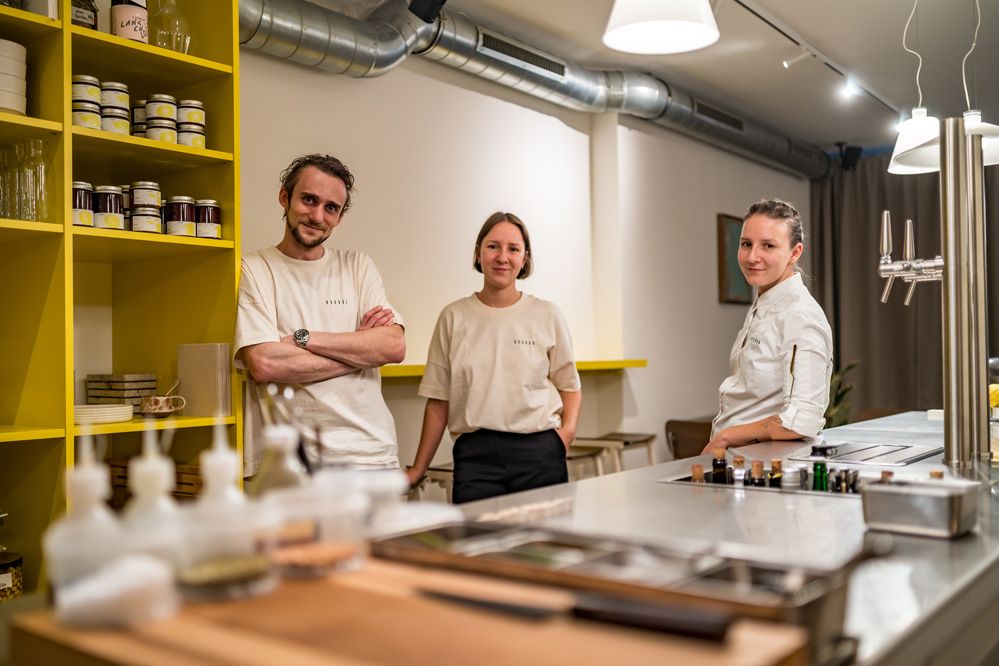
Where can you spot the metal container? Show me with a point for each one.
(940, 508)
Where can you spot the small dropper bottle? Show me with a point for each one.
(88, 535)
(151, 519)
(281, 467)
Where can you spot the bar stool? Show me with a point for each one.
(617, 442)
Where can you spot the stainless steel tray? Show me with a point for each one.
(946, 508)
(810, 598)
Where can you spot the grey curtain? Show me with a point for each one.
(897, 348)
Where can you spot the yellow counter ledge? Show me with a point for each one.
(413, 370)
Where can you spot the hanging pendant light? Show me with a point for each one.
(917, 149)
(660, 26)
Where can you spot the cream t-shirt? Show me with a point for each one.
(277, 296)
(781, 363)
(501, 368)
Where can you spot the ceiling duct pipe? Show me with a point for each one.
(323, 38)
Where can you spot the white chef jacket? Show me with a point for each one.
(781, 363)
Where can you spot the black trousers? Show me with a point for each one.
(488, 463)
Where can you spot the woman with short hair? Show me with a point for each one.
(501, 376)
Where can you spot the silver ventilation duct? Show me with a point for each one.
(318, 37)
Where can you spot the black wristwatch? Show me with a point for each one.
(302, 337)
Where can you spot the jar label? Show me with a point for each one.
(151, 198)
(193, 139)
(185, 115)
(175, 228)
(86, 92)
(130, 22)
(116, 125)
(7, 580)
(109, 220)
(209, 230)
(161, 110)
(87, 119)
(146, 223)
(114, 99)
(84, 17)
(162, 134)
(83, 217)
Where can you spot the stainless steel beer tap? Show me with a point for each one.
(909, 269)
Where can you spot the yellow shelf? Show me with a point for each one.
(112, 58)
(120, 158)
(414, 370)
(140, 424)
(9, 433)
(16, 128)
(25, 27)
(112, 245)
(15, 230)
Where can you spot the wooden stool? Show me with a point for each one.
(616, 442)
(581, 454)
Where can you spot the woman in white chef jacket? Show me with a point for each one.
(782, 358)
(501, 376)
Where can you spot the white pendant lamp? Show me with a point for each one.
(660, 26)
(913, 152)
(920, 152)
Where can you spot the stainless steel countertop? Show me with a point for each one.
(903, 607)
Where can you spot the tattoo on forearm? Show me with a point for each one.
(772, 424)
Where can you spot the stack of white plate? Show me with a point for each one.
(13, 77)
(101, 413)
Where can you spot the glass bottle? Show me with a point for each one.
(8, 183)
(280, 467)
(697, 473)
(739, 471)
(887, 476)
(776, 473)
(759, 478)
(718, 466)
(168, 27)
(32, 192)
(84, 13)
(820, 479)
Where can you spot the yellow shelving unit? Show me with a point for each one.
(405, 371)
(149, 293)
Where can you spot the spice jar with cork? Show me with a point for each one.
(11, 567)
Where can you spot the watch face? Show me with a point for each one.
(301, 337)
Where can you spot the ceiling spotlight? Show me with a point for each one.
(660, 26)
(788, 63)
(850, 88)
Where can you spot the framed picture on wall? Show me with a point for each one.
(732, 286)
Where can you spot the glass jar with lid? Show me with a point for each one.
(180, 216)
(108, 207)
(147, 218)
(115, 121)
(87, 114)
(11, 565)
(191, 134)
(86, 88)
(161, 107)
(114, 95)
(146, 193)
(191, 111)
(161, 130)
(83, 205)
(208, 216)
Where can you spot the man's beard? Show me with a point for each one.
(301, 239)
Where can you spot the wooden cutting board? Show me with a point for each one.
(376, 617)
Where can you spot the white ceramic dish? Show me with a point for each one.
(13, 102)
(13, 67)
(13, 84)
(88, 414)
(13, 50)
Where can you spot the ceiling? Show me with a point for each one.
(742, 73)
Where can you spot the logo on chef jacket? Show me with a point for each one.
(522, 341)
(337, 301)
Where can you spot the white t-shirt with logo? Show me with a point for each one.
(781, 363)
(279, 295)
(501, 368)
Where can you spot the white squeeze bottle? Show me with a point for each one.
(88, 536)
(151, 520)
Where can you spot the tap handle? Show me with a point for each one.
(888, 285)
(909, 248)
(885, 234)
(912, 290)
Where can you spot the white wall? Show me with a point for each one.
(672, 189)
(435, 151)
